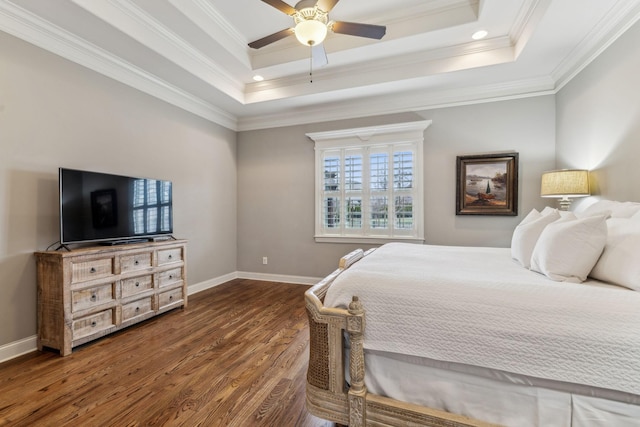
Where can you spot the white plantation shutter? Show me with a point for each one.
(403, 186)
(331, 189)
(369, 183)
(353, 187)
(151, 201)
(379, 190)
(165, 202)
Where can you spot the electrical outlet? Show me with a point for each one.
(265, 260)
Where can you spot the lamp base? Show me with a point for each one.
(564, 204)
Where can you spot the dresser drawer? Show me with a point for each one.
(135, 262)
(137, 308)
(167, 256)
(135, 285)
(93, 324)
(169, 277)
(92, 297)
(170, 297)
(93, 269)
(88, 292)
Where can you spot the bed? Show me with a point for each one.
(545, 333)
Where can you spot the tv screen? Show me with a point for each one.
(100, 207)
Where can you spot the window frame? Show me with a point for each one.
(390, 139)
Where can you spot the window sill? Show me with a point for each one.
(367, 240)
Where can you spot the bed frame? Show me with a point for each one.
(328, 395)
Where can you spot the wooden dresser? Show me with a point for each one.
(87, 293)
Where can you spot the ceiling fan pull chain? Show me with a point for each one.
(310, 64)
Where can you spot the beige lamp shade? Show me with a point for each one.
(565, 183)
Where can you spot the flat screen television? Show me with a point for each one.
(100, 207)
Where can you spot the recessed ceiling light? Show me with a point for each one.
(478, 35)
(258, 78)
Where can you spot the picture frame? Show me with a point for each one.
(487, 184)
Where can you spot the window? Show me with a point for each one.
(369, 183)
(151, 203)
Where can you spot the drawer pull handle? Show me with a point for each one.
(94, 297)
(170, 256)
(170, 297)
(94, 324)
(136, 262)
(170, 276)
(137, 309)
(137, 284)
(93, 270)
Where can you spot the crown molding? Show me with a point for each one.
(526, 23)
(616, 23)
(408, 66)
(135, 23)
(21, 23)
(366, 133)
(211, 21)
(401, 22)
(424, 8)
(400, 103)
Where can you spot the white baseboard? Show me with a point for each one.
(299, 280)
(18, 348)
(29, 344)
(211, 283)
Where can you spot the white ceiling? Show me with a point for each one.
(194, 53)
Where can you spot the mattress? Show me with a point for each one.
(477, 307)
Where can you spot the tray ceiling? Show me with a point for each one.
(194, 53)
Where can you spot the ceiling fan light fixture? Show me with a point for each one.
(311, 32)
(311, 25)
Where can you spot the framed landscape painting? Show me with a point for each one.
(487, 184)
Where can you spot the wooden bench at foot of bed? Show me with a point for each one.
(328, 395)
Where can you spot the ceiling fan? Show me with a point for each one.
(311, 19)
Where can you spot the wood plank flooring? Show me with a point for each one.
(237, 356)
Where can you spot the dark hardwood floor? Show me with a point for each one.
(237, 356)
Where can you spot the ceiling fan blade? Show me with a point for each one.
(361, 30)
(327, 5)
(319, 56)
(271, 38)
(281, 6)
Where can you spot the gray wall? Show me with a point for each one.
(235, 208)
(55, 113)
(599, 120)
(276, 182)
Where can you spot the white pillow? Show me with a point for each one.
(619, 263)
(568, 249)
(526, 235)
(616, 209)
(563, 214)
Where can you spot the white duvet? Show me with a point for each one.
(478, 307)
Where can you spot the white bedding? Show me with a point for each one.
(502, 399)
(490, 312)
